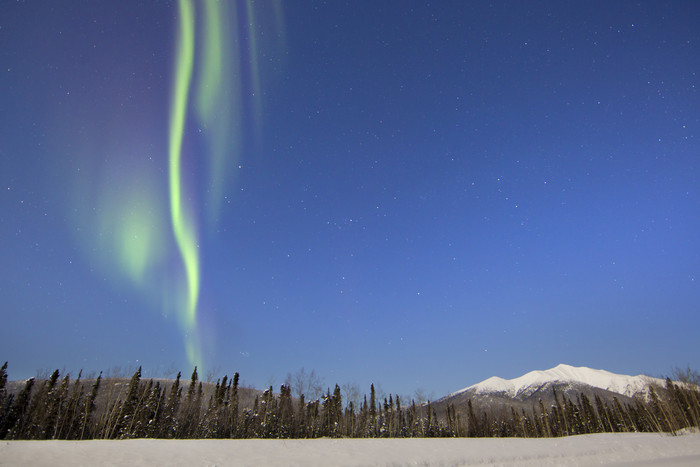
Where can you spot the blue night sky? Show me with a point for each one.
(419, 195)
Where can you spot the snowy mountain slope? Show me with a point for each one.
(564, 374)
(523, 392)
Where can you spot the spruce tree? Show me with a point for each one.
(286, 412)
(67, 427)
(603, 415)
(190, 409)
(350, 420)
(301, 431)
(4, 403)
(473, 430)
(128, 408)
(15, 421)
(545, 420)
(155, 425)
(233, 409)
(336, 412)
(55, 409)
(372, 412)
(170, 422)
(560, 416)
(38, 411)
(89, 408)
(678, 407)
(591, 421)
(399, 423)
(148, 412)
(3, 383)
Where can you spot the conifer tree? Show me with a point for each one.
(233, 409)
(527, 424)
(591, 421)
(363, 418)
(286, 412)
(572, 417)
(650, 420)
(538, 426)
(155, 425)
(336, 407)
(170, 423)
(428, 426)
(147, 415)
(620, 415)
(38, 411)
(603, 415)
(399, 424)
(89, 408)
(3, 383)
(677, 406)
(193, 384)
(69, 421)
(411, 416)
(55, 409)
(4, 400)
(189, 419)
(268, 415)
(350, 424)
(213, 420)
(300, 430)
(197, 410)
(473, 430)
(128, 407)
(560, 416)
(5, 413)
(545, 420)
(312, 419)
(15, 421)
(372, 413)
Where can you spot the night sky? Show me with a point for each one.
(419, 195)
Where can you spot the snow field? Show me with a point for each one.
(638, 449)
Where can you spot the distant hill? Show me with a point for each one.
(114, 388)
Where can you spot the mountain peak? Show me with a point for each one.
(567, 374)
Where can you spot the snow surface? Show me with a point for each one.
(621, 384)
(639, 449)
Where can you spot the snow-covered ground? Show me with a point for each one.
(631, 449)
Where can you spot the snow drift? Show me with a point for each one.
(601, 449)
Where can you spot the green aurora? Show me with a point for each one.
(147, 224)
(219, 113)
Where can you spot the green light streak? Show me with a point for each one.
(213, 61)
(217, 99)
(278, 12)
(182, 221)
(254, 66)
(119, 204)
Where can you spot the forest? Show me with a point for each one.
(58, 407)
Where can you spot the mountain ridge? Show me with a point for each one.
(562, 374)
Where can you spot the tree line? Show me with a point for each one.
(58, 408)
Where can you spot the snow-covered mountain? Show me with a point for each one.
(621, 384)
(568, 381)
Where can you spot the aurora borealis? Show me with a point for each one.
(182, 221)
(216, 100)
(417, 195)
